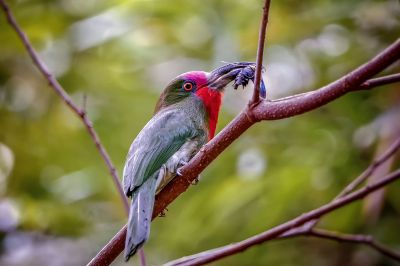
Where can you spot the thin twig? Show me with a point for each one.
(142, 257)
(260, 52)
(358, 239)
(379, 81)
(219, 253)
(84, 103)
(66, 98)
(367, 240)
(371, 168)
(354, 184)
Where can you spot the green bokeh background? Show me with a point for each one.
(58, 205)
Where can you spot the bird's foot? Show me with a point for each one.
(178, 172)
(195, 181)
(162, 213)
(203, 149)
(179, 169)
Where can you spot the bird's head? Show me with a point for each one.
(208, 86)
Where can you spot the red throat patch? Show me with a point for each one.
(212, 101)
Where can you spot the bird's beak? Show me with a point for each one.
(222, 76)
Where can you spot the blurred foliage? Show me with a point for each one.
(56, 197)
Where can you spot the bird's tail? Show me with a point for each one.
(138, 229)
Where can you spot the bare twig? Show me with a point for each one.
(65, 97)
(219, 253)
(260, 52)
(367, 240)
(379, 81)
(142, 257)
(353, 185)
(357, 239)
(84, 103)
(371, 168)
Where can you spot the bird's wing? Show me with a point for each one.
(163, 135)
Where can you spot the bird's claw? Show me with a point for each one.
(195, 181)
(179, 170)
(179, 173)
(182, 163)
(163, 213)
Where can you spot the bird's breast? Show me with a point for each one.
(211, 100)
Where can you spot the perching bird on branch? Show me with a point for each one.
(184, 120)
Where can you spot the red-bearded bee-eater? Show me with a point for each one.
(185, 118)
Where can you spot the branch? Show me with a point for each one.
(369, 84)
(260, 52)
(380, 81)
(110, 251)
(65, 97)
(273, 110)
(357, 239)
(371, 168)
(266, 110)
(366, 240)
(353, 185)
(307, 228)
(219, 253)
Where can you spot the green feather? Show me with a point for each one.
(172, 94)
(165, 133)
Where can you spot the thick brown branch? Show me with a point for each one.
(219, 253)
(65, 97)
(260, 52)
(273, 110)
(367, 85)
(266, 110)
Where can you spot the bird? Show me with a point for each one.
(184, 119)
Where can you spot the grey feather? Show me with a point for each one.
(161, 137)
(168, 141)
(138, 230)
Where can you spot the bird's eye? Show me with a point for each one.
(188, 86)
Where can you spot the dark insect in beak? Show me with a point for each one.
(245, 75)
(241, 73)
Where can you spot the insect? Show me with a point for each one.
(244, 75)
